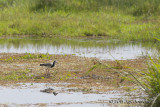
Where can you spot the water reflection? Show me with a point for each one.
(30, 94)
(100, 48)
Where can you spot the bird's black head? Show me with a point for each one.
(53, 64)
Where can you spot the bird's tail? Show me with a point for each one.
(42, 64)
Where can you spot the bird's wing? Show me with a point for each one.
(46, 64)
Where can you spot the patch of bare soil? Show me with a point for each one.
(69, 69)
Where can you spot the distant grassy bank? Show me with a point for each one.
(116, 19)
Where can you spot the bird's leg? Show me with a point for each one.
(47, 73)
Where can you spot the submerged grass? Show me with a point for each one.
(118, 19)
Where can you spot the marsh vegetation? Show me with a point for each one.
(115, 19)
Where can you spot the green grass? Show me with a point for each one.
(23, 75)
(35, 56)
(150, 82)
(115, 19)
(27, 56)
(153, 80)
(16, 75)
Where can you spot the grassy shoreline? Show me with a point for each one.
(25, 67)
(65, 20)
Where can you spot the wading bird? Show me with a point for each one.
(48, 65)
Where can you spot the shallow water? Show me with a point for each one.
(99, 48)
(30, 95)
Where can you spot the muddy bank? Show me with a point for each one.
(70, 68)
